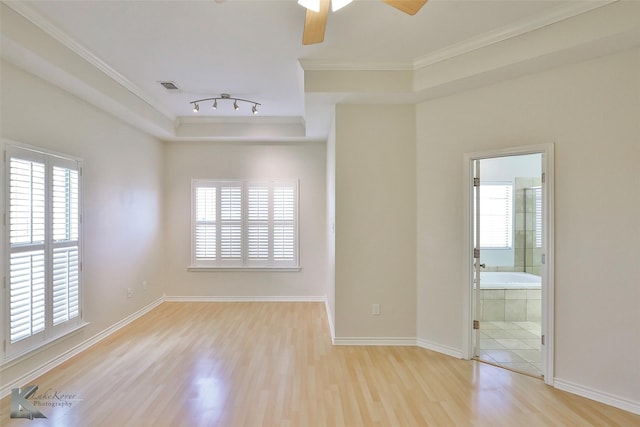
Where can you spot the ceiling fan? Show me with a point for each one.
(315, 20)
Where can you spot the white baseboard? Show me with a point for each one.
(597, 395)
(449, 351)
(60, 359)
(330, 320)
(386, 341)
(245, 299)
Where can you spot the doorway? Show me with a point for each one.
(509, 229)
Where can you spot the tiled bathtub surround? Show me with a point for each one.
(517, 305)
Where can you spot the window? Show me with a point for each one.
(537, 196)
(44, 254)
(244, 224)
(496, 230)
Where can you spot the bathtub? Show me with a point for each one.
(508, 280)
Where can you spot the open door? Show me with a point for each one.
(476, 259)
(509, 281)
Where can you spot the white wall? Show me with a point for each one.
(185, 161)
(590, 111)
(122, 200)
(375, 248)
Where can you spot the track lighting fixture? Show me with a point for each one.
(225, 96)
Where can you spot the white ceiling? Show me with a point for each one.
(252, 48)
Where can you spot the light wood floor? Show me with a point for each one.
(272, 364)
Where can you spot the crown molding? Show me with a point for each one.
(265, 127)
(527, 25)
(256, 120)
(52, 30)
(333, 65)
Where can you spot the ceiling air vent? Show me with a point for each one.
(169, 85)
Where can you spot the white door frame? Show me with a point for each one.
(547, 151)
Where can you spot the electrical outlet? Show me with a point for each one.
(375, 309)
(129, 292)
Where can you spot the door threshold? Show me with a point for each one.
(529, 374)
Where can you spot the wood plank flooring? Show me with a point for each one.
(272, 364)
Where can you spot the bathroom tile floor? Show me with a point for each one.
(513, 345)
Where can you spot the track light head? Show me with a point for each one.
(235, 104)
(196, 107)
(254, 109)
(215, 104)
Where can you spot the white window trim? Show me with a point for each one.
(196, 268)
(52, 333)
(243, 264)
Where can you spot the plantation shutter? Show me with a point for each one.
(206, 214)
(27, 247)
(44, 247)
(245, 224)
(537, 194)
(66, 264)
(258, 222)
(231, 222)
(496, 215)
(284, 226)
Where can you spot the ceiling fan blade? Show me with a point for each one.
(407, 6)
(315, 24)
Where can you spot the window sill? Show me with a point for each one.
(31, 351)
(198, 268)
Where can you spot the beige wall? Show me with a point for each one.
(590, 111)
(122, 200)
(375, 246)
(185, 161)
